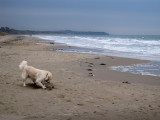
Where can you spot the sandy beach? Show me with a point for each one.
(85, 86)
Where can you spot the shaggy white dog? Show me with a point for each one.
(38, 76)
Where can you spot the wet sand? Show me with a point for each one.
(85, 87)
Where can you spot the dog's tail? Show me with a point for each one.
(22, 65)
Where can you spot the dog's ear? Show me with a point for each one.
(50, 76)
(46, 78)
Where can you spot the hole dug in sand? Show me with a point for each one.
(49, 85)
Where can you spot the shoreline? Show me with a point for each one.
(125, 46)
(85, 88)
(137, 68)
(64, 47)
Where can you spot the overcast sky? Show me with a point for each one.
(112, 16)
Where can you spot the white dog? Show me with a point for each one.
(38, 76)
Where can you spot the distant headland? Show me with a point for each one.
(7, 30)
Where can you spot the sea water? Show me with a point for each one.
(146, 47)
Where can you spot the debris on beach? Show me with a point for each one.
(52, 43)
(126, 82)
(102, 64)
(97, 58)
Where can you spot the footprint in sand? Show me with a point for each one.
(91, 74)
(89, 70)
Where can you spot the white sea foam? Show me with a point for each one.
(152, 68)
(135, 47)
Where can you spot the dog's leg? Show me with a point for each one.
(24, 82)
(38, 82)
(24, 77)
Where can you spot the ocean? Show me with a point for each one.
(146, 47)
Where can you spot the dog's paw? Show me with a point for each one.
(44, 87)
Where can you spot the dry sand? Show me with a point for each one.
(85, 87)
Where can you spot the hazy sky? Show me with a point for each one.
(112, 16)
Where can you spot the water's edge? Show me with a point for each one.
(152, 68)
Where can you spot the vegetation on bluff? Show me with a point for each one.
(7, 30)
